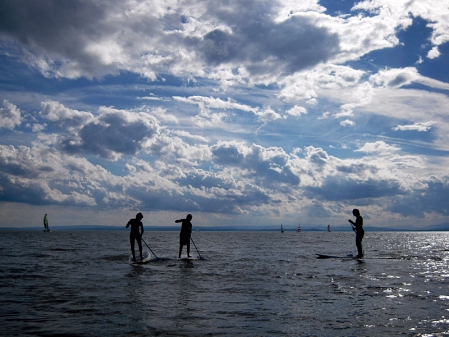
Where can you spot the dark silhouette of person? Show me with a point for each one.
(136, 234)
(357, 226)
(184, 236)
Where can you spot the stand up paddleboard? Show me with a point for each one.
(146, 258)
(185, 258)
(347, 257)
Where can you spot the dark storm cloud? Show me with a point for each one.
(337, 189)
(272, 170)
(357, 168)
(18, 169)
(31, 193)
(108, 136)
(224, 196)
(262, 45)
(435, 198)
(21, 163)
(228, 154)
(399, 80)
(59, 27)
(77, 36)
(266, 166)
(204, 179)
(318, 157)
(189, 201)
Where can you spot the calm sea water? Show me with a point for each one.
(79, 283)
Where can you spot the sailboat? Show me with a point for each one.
(282, 229)
(46, 228)
(299, 228)
(328, 228)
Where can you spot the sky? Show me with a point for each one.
(244, 113)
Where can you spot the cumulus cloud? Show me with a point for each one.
(266, 165)
(347, 122)
(58, 114)
(110, 134)
(433, 53)
(341, 189)
(38, 176)
(276, 51)
(10, 116)
(83, 39)
(395, 77)
(425, 200)
(378, 147)
(297, 111)
(60, 31)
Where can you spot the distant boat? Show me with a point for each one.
(46, 228)
(328, 228)
(299, 228)
(282, 229)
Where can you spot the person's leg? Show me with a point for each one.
(188, 248)
(139, 242)
(180, 248)
(358, 242)
(131, 239)
(361, 248)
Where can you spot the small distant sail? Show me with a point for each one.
(328, 228)
(46, 228)
(282, 229)
(299, 228)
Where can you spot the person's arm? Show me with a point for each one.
(353, 224)
(178, 221)
(129, 222)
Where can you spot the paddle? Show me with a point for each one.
(201, 258)
(149, 248)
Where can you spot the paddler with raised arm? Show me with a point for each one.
(184, 235)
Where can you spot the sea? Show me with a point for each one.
(80, 283)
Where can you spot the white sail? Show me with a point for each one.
(282, 229)
(46, 228)
(299, 228)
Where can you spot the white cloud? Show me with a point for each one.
(420, 127)
(10, 116)
(395, 77)
(58, 113)
(297, 111)
(433, 53)
(186, 134)
(379, 147)
(347, 122)
(215, 103)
